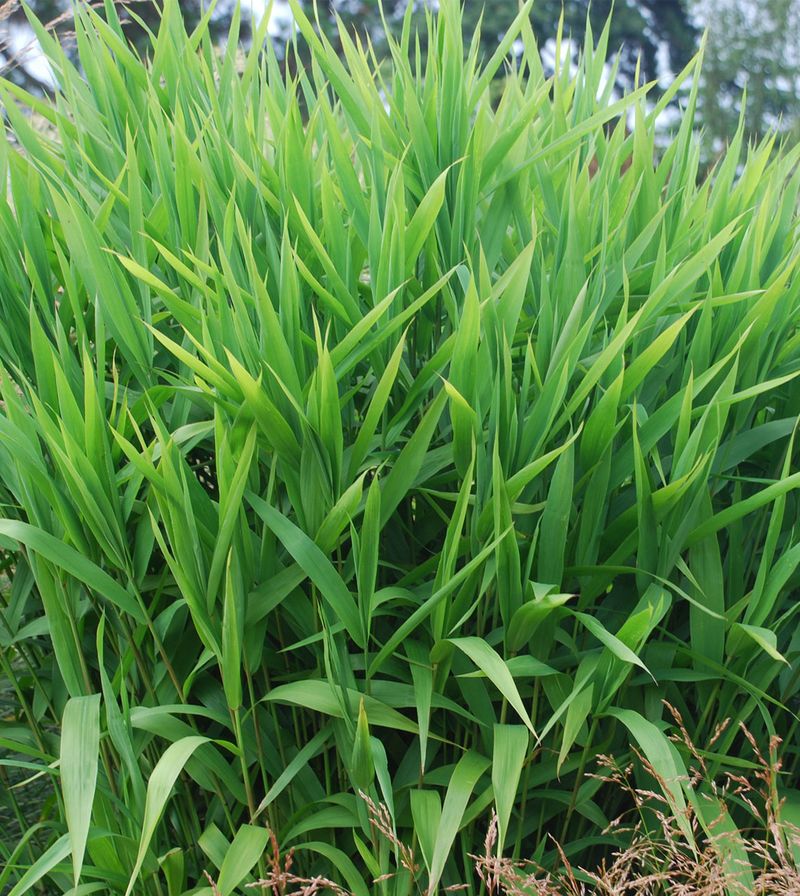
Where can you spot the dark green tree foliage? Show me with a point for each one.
(638, 28)
(754, 46)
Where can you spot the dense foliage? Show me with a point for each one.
(641, 29)
(752, 44)
(363, 432)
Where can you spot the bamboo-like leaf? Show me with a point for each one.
(315, 565)
(246, 849)
(43, 865)
(664, 758)
(465, 776)
(321, 697)
(426, 809)
(72, 562)
(496, 670)
(365, 409)
(508, 757)
(80, 746)
(159, 787)
(617, 647)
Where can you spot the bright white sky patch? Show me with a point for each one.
(23, 49)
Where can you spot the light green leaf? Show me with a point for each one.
(612, 642)
(315, 565)
(763, 637)
(72, 562)
(49, 859)
(664, 758)
(321, 697)
(247, 848)
(465, 776)
(426, 810)
(495, 669)
(508, 758)
(80, 745)
(159, 787)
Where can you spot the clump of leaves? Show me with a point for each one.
(368, 428)
(699, 853)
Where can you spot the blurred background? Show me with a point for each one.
(753, 45)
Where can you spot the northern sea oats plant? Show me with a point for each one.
(365, 428)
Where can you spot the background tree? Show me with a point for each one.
(754, 46)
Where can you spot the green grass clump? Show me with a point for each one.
(363, 431)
